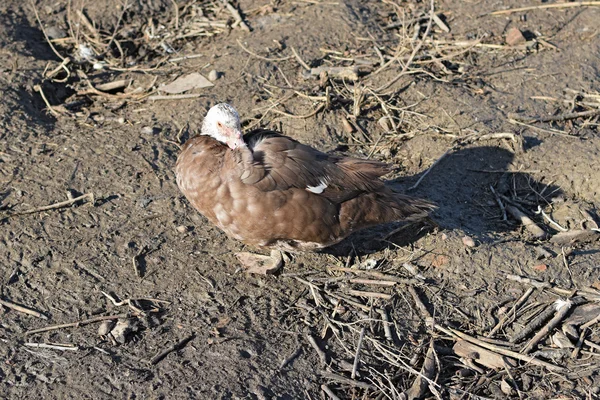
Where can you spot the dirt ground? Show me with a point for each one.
(249, 336)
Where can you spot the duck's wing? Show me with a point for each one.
(275, 162)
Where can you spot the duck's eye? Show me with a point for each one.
(220, 125)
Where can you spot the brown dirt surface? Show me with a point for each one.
(499, 116)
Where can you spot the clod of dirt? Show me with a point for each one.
(259, 264)
(182, 229)
(439, 261)
(185, 83)
(123, 328)
(105, 328)
(514, 37)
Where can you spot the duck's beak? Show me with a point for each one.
(235, 139)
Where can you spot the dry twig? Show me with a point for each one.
(53, 346)
(158, 357)
(22, 309)
(547, 6)
(76, 324)
(66, 203)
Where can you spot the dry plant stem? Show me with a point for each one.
(550, 220)
(190, 57)
(420, 385)
(563, 117)
(413, 54)
(112, 38)
(413, 187)
(357, 356)
(176, 96)
(157, 358)
(349, 301)
(591, 344)
(55, 71)
(512, 312)
(533, 325)
(500, 204)
(590, 323)
(499, 350)
(300, 60)
(320, 353)
(37, 17)
(76, 324)
(579, 343)
(329, 392)
(531, 226)
(344, 380)
(261, 57)
(22, 309)
(375, 274)
(39, 89)
(236, 16)
(53, 346)
(86, 22)
(134, 95)
(176, 9)
(309, 115)
(528, 281)
(424, 311)
(136, 266)
(546, 130)
(438, 21)
(114, 85)
(89, 196)
(362, 293)
(547, 6)
(291, 358)
(372, 282)
(562, 309)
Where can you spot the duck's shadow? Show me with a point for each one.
(461, 186)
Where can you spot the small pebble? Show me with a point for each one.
(182, 229)
(105, 327)
(514, 37)
(213, 75)
(540, 267)
(54, 32)
(147, 130)
(468, 241)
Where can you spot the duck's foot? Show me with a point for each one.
(259, 264)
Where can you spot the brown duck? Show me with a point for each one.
(270, 191)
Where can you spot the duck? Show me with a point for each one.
(272, 192)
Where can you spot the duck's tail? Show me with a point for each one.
(381, 207)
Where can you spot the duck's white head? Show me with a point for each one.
(222, 122)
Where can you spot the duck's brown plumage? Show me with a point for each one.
(276, 192)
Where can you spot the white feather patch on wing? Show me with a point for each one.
(319, 188)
